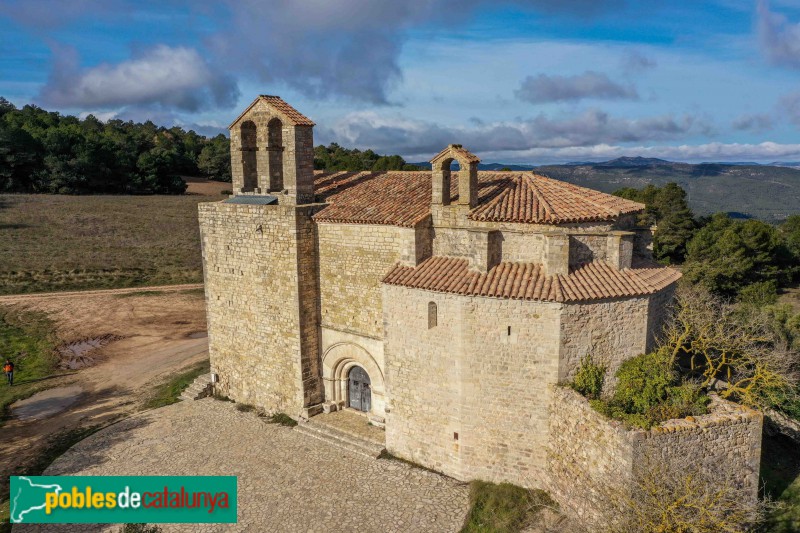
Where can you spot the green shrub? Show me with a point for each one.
(503, 508)
(759, 294)
(589, 378)
(283, 419)
(643, 381)
(649, 391)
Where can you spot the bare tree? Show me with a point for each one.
(738, 352)
(669, 499)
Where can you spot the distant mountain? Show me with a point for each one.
(627, 162)
(484, 166)
(768, 192)
(746, 190)
(498, 166)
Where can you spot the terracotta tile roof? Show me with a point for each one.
(290, 113)
(403, 199)
(527, 281)
(459, 152)
(391, 198)
(528, 197)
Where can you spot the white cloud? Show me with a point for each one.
(387, 133)
(178, 77)
(635, 61)
(789, 107)
(718, 152)
(753, 122)
(348, 48)
(780, 39)
(544, 88)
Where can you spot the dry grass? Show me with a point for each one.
(58, 242)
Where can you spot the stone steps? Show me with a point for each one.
(199, 388)
(340, 438)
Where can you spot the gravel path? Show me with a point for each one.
(286, 481)
(16, 298)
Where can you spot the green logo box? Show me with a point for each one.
(123, 499)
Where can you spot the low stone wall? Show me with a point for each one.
(594, 463)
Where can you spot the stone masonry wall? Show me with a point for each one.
(587, 248)
(595, 464)
(469, 396)
(611, 331)
(726, 443)
(659, 309)
(260, 279)
(588, 458)
(522, 247)
(353, 258)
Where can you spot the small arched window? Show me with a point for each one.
(433, 318)
(249, 158)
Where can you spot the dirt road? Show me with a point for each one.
(22, 298)
(155, 332)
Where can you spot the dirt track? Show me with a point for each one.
(158, 334)
(22, 298)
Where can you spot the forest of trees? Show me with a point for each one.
(734, 271)
(46, 152)
(732, 258)
(334, 158)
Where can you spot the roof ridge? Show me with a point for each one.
(589, 198)
(278, 103)
(540, 195)
(593, 192)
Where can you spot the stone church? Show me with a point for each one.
(444, 305)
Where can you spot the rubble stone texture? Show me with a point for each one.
(594, 463)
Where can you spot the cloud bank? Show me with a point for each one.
(543, 88)
(395, 134)
(171, 77)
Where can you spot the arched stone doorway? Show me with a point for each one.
(343, 365)
(359, 389)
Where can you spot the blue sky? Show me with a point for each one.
(535, 81)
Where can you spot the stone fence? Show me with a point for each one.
(596, 465)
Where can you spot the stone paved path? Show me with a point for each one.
(352, 423)
(287, 481)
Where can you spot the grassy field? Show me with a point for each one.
(169, 392)
(58, 242)
(503, 508)
(27, 339)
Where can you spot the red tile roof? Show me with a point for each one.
(391, 198)
(403, 199)
(459, 152)
(289, 113)
(527, 281)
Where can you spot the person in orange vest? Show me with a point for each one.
(8, 368)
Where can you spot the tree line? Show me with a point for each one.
(47, 152)
(729, 324)
(732, 258)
